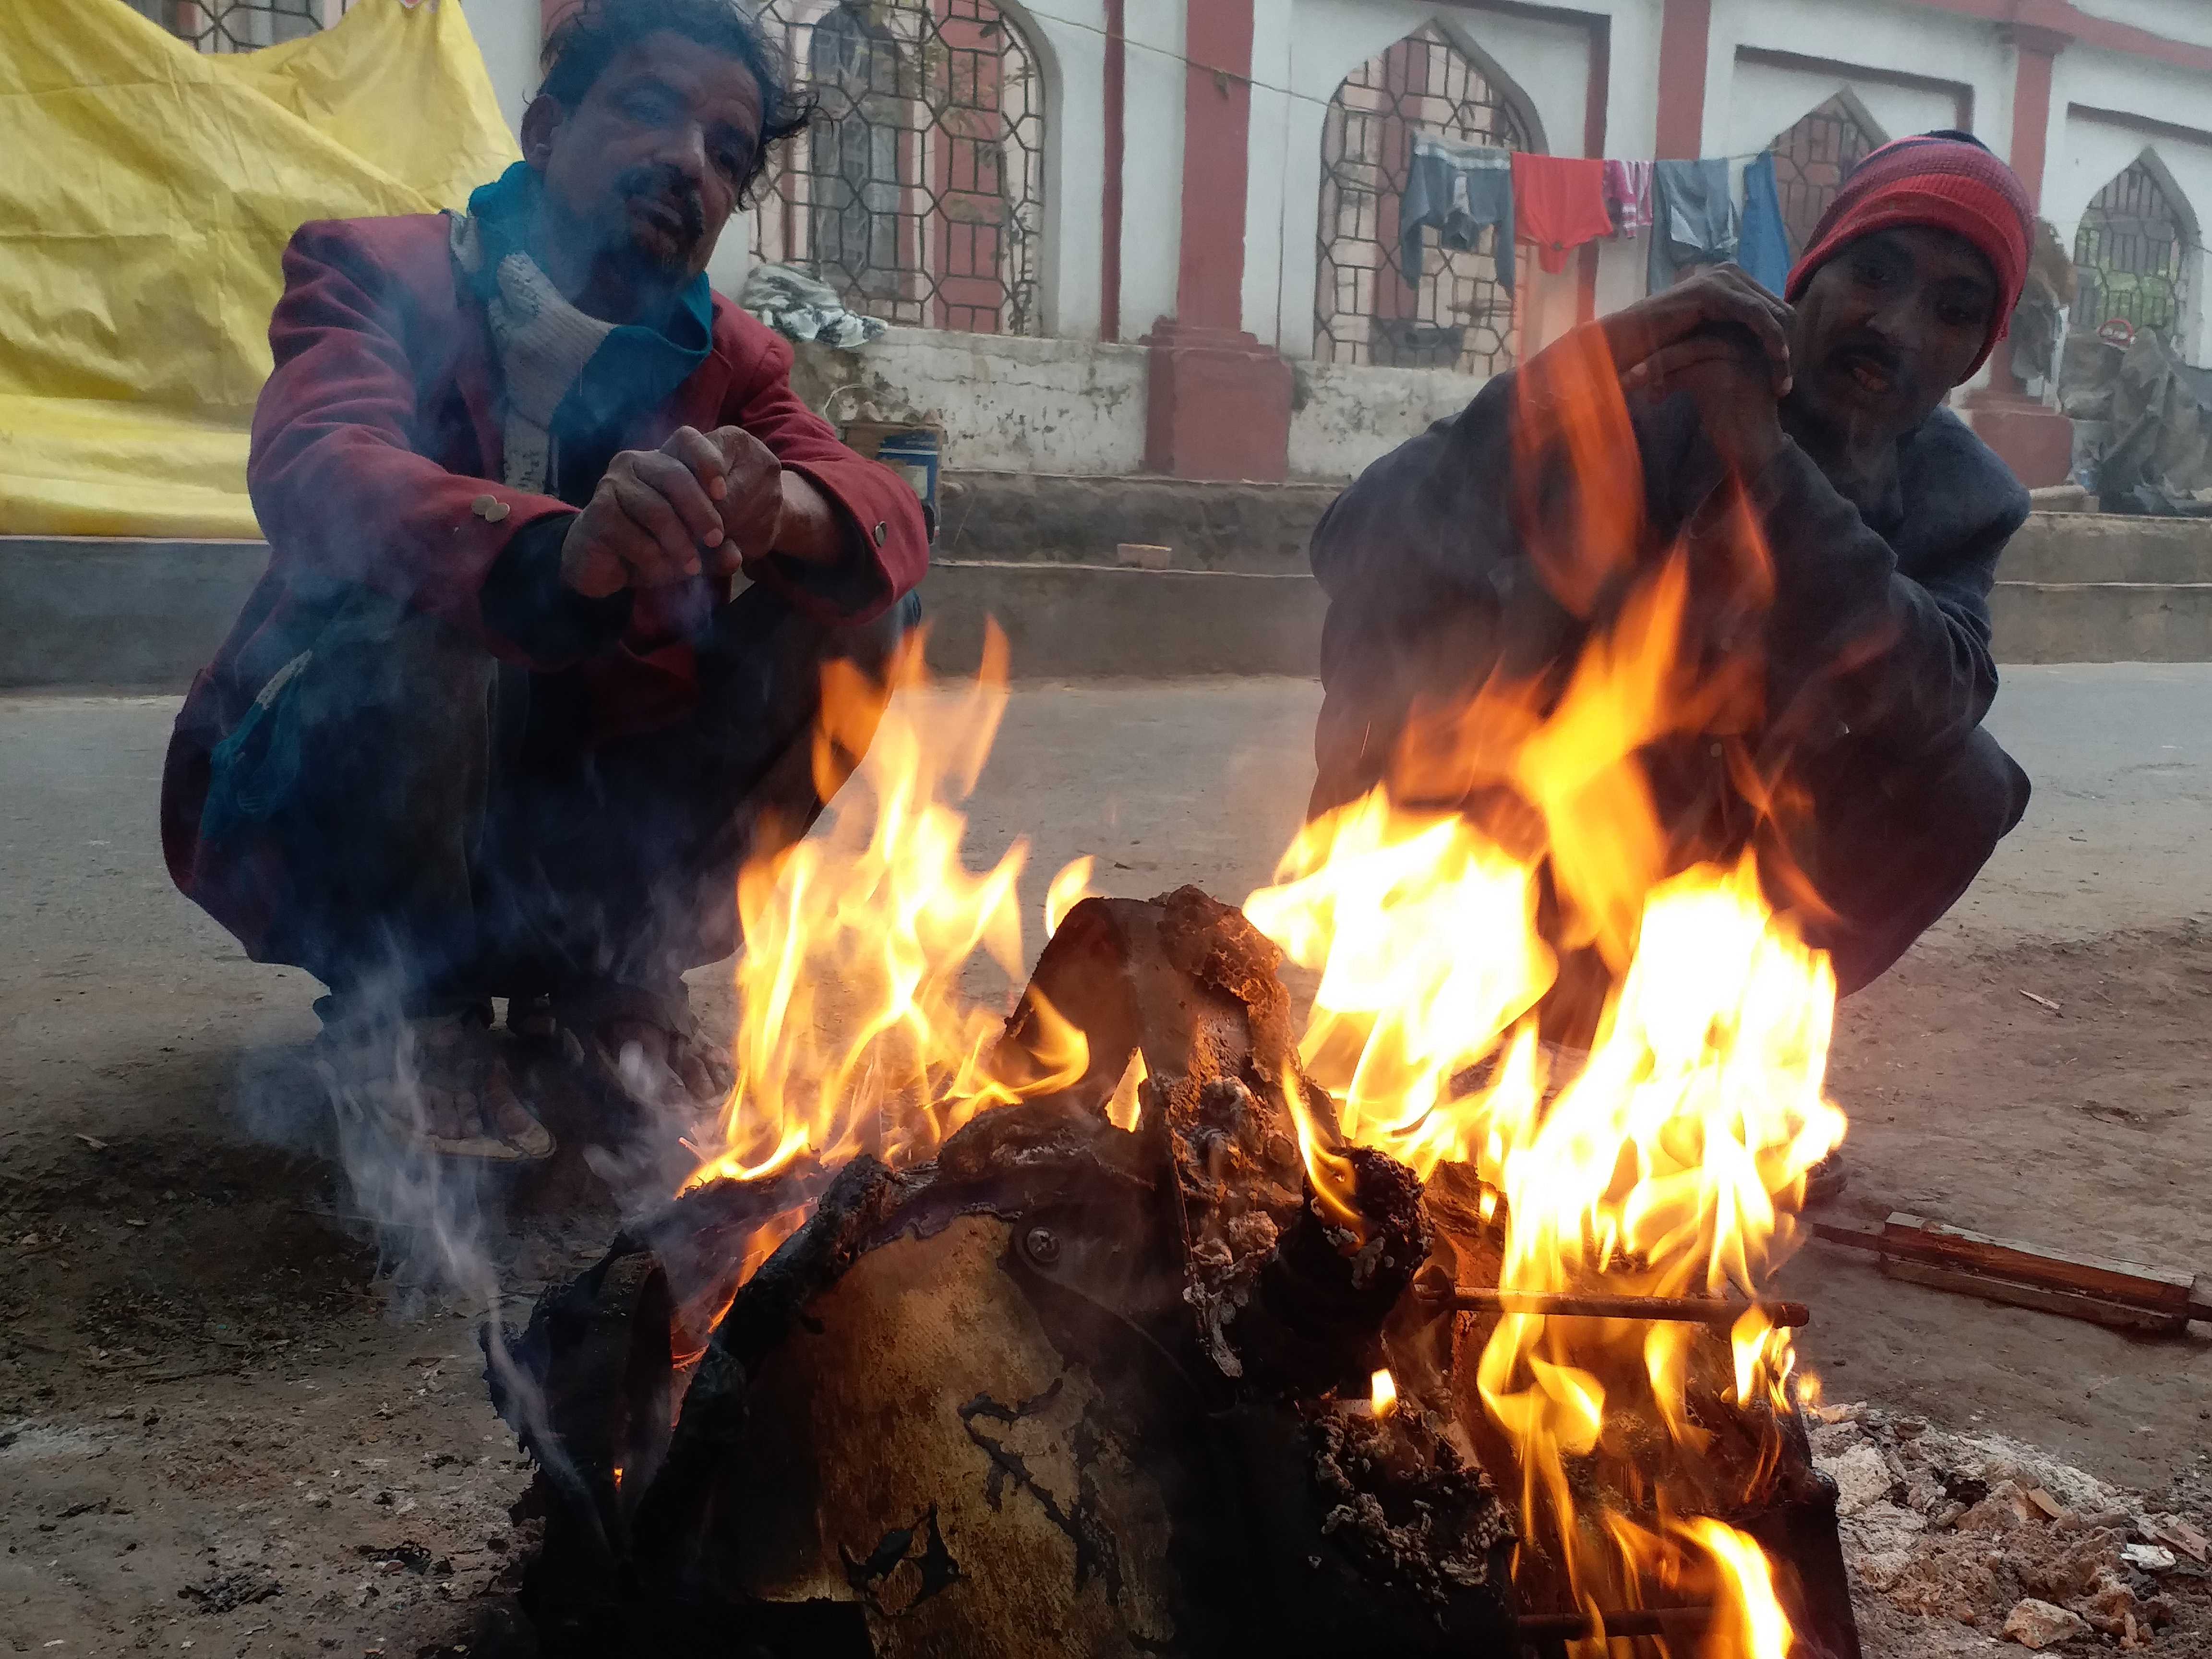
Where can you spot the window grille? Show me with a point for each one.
(1457, 316)
(918, 190)
(241, 25)
(1812, 160)
(2131, 255)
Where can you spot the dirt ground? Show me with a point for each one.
(225, 1428)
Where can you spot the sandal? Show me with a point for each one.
(439, 1080)
(645, 1043)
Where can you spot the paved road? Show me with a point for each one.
(1199, 780)
(123, 1009)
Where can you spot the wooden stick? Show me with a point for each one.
(2124, 1294)
(1619, 1622)
(1679, 1310)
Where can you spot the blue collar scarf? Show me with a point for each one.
(637, 367)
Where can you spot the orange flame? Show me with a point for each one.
(1752, 1625)
(1068, 889)
(853, 1034)
(1381, 1393)
(1668, 1160)
(1125, 1106)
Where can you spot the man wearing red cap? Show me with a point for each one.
(1882, 515)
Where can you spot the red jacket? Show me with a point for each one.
(379, 428)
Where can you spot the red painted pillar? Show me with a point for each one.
(1685, 31)
(1117, 83)
(2034, 439)
(1218, 402)
(1596, 89)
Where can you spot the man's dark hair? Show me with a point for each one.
(596, 32)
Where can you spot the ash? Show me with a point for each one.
(1976, 1545)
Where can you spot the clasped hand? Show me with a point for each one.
(704, 503)
(1725, 341)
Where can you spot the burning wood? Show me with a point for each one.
(1065, 1388)
(1073, 1386)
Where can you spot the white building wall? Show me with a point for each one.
(1151, 152)
(1748, 102)
(2087, 151)
(1069, 38)
(507, 32)
(2177, 20)
(1342, 417)
(1066, 405)
(1308, 47)
(1006, 403)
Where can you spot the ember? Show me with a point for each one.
(1145, 1320)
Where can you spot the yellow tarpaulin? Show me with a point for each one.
(147, 190)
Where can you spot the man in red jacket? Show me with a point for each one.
(556, 558)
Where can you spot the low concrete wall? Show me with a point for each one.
(91, 612)
(1343, 417)
(2102, 622)
(1006, 403)
(1099, 622)
(87, 610)
(1014, 516)
(2096, 547)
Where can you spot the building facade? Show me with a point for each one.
(1124, 236)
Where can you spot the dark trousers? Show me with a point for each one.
(446, 830)
(1892, 846)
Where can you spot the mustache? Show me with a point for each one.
(672, 188)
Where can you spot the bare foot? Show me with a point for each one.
(441, 1080)
(697, 1068)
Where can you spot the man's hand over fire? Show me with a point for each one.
(665, 515)
(1724, 339)
(753, 502)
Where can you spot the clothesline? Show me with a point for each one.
(1258, 85)
(1688, 209)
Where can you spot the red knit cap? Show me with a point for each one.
(1950, 183)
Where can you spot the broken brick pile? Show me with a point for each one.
(1999, 1540)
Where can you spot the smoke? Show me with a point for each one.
(466, 1236)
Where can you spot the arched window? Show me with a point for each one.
(241, 25)
(1812, 160)
(2130, 253)
(1365, 310)
(918, 192)
(859, 158)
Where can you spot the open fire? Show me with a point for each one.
(1578, 1020)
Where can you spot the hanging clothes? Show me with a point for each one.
(1628, 195)
(1458, 188)
(1693, 218)
(1558, 203)
(1764, 248)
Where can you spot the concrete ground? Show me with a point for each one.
(201, 1395)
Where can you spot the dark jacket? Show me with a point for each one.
(375, 439)
(1879, 624)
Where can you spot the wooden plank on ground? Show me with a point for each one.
(2108, 1280)
(2114, 1315)
(2127, 1295)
